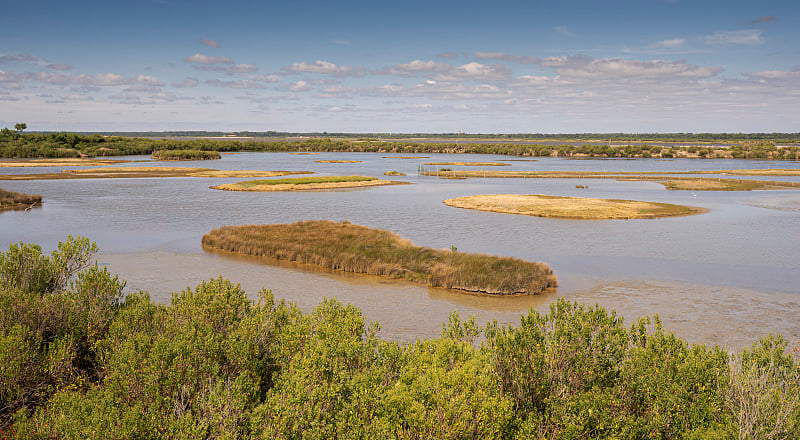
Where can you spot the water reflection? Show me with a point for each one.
(743, 249)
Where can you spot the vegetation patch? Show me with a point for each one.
(471, 164)
(675, 181)
(394, 173)
(354, 248)
(757, 172)
(143, 172)
(405, 157)
(577, 208)
(337, 161)
(64, 162)
(314, 183)
(713, 185)
(10, 200)
(185, 155)
(303, 153)
(83, 360)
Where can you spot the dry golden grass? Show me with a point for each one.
(405, 157)
(65, 162)
(144, 172)
(319, 183)
(352, 248)
(758, 172)
(10, 200)
(394, 173)
(337, 161)
(577, 208)
(673, 182)
(472, 164)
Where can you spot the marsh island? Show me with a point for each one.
(353, 248)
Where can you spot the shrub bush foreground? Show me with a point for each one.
(80, 360)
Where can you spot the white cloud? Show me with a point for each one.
(764, 19)
(210, 43)
(239, 84)
(673, 43)
(266, 78)
(501, 56)
(476, 72)
(325, 67)
(563, 31)
(199, 58)
(186, 83)
(775, 76)
(299, 86)
(414, 68)
(59, 67)
(231, 70)
(580, 66)
(21, 58)
(744, 36)
(447, 55)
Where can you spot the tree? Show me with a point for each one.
(20, 127)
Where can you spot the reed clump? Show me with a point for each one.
(185, 155)
(10, 200)
(359, 249)
(394, 173)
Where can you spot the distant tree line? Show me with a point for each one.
(16, 144)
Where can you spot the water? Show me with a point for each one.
(724, 277)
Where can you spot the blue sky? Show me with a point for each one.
(410, 66)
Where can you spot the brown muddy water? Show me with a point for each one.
(725, 277)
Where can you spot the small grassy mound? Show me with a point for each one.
(471, 164)
(185, 155)
(353, 248)
(306, 183)
(10, 200)
(394, 173)
(405, 157)
(673, 182)
(142, 172)
(60, 162)
(577, 208)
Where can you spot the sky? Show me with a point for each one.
(388, 66)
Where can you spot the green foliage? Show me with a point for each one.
(756, 145)
(185, 155)
(79, 362)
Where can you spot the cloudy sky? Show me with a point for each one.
(402, 66)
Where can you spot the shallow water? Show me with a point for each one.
(724, 277)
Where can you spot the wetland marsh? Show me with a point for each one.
(725, 277)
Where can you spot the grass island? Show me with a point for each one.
(577, 208)
(687, 180)
(10, 200)
(185, 155)
(359, 249)
(58, 162)
(471, 164)
(313, 183)
(394, 173)
(142, 172)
